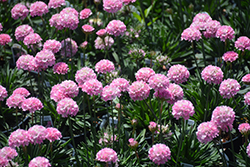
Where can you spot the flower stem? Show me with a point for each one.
(73, 141)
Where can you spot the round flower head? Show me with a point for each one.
(57, 93)
(67, 107)
(112, 6)
(32, 39)
(70, 89)
(19, 11)
(211, 28)
(121, 83)
(163, 94)
(21, 91)
(176, 93)
(4, 39)
(116, 28)
(15, 101)
(248, 150)
(191, 34)
(39, 162)
(158, 81)
(84, 75)
(18, 138)
(56, 21)
(3, 161)
(244, 129)
(56, 3)
(100, 44)
(183, 108)
(37, 134)
(229, 88)
(230, 56)
(133, 143)
(38, 8)
(85, 13)
(61, 68)
(110, 93)
(22, 31)
(3, 93)
(139, 90)
(246, 79)
(53, 134)
(69, 47)
(159, 154)
(225, 32)
(247, 98)
(45, 58)
(87, 29)
(68, 20)
(107, 155)
(152, 126)
(223, 117)
(178, 73)
(84, 45)
(32, 104)
(212, 74)
(23, 62)
(242, 43)
(92, 87)
(201, 19)
(101, 32)
(34, 66)
(52, 45)
(104, 66)
(207, 131)
(8, 153)
(144, 74)
(69, 10)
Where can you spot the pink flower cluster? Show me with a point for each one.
(107, 139)
(56, 3)
(158, 81)
(32, 104)
(191, 34)
(176, 93)
(159, 154)
(69, 10)
(45, 58)
(39, 162)
(38, 8)
(201, 19)
(121, 83)
(67, 107)
(225, 32)
(144, 74)
(87, 29)
(230, 56)
(110, 92)
(15, 101)
(229, 88)
(242, 43)
(8, 153)
(22, 31)
(61, 68)
(32, 39)
(212, 74)
(112, 6)
(178, 73)
(248, 150)
(152, 126)
(84, 45)
(247, 98)
(4, 39)
(19, 11)
(92, 87)
(1, 27)
(207, 131)
(52, 45)
(69, 47)
(116, 27)
(133, 143)
(24, 62)
(104, 44)
(139, 90)
(107, 155)
(53, 134)
(84, 75)
(183, 108)
(246, 79)
(244, 129)
(21, 91)
(101, 32)
(18, 138)
(211, 28)
(3, 93)
(37, 134)
(163, 94)
(85, 13)
(104, 66)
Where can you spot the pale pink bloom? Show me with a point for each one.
(32, 39)
(45, 58)
(3, 161)
(85, 13)
(70, 48)
(92, 87)
(39, 162)
(52, 45)
(126, 2)
(112, 6)
(242, 43)
(67, 107)
(53, 134)
(107, 139)
(178, 73)
(69, 10)
(57, 93)
(212, 74)
(56, 21)
(3, 93)
(143, 74)
(162, 93)
(247, 98)
(4, 39)
(32, 104)
(38, 8)
(68, 20)
(152, 126)
(23, 62)
(18, 138)
(37, 134)
(101, 32)
(225, 32)
(84, 45)
(21, 91)
(100, 44)
(201, 19)
(158, 81)
(121, 83)
(139, 90)
(207, 131)
(248, 150)
(223, 117)
(70, 89)
(211, 28)
(61, 68)
(34, 66)
(107, 155)
(15, 101)
(229, 88)
(191, 34)
(183, 108)
(87, 28)
(19, 11)
(22, 31)
(133, 143)
(116, 28)
(176, 93)
(8, 153)
(84, 75)
(104, 66)
(110, 92)
(246, 79)
(230, 56)
(1, 27)
(244, 129)
(56, 3)
(159, 154)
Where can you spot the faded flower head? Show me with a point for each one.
(159, 154)
(229, 88)
(107, 139)
(178, 73)
(183, 108)
(230, 56)
(244, 129)
(207, 131)
(104, 44)
(139, 90)
(212, 74)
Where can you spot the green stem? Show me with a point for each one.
(161, 137)
(232, 145)
(206, 111)
(85, 132)
(151, 110)
(73, 141)
(223, 155)
(180, 144)
(195, 60)
(203, 53)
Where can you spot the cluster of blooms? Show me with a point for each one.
(52, 45)
(5, 39)
(24, 62)
(121, 83)
(104, 44)
(69, 47)
(32, 104)
(133, 143)
(112, 6)
(110, 92)
(69, 10)
(207, 131)
(242, 43)
(107, 155)
(21, 91)
(183, 108)
(107, 139)
(1, 27)
(22, 31)
(104, 66)
(45, 58)
(247, 98)
(39, 161)
(32, 39)
(244, 129)
(57, 93)
(19, 11)
(200, 20)
(85, 13)
(178, 73)
(163, 94)
(159, 154)
(37, 134)
(87, 29)
(7, 154)
(223, 117)
(229, 88)
(84, 75)
(61, 68)
(176, 93)
(225, 32)
(101, 32)
(212, 74)
(144, 74)
(15, 101)
(139, 90)
(38, 8)
(92, 87)
(3, 93)
(248, 150)
(211, 28)
(158, 81)
(56, 3)
(137, 53)
(191, 34)
(246, 79)
(116, 28)
(230, 56)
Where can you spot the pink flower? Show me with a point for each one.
(201, 20)
(32, 39)
(158, 81)
(23, 62)
(104, 66)
(22, 31)
(87, 29)
(242, 43)
(112, 6)
(84, 75)
(133, 143)
(67, 107)
(21, 91)
(52, 45)
(107, 139)
(70, 89)
(69, 10)
(144, 74)
(53, 134)
(159, 154)
(162, 93)
(110, 92)
(69, 47)
(248, 150)
(230, 56)
(152, 126)
(244, 129)
(212, 74)
(61, 68)
(15, 101)
(1, 27)
(107, 155)
(92, 87)
(207, 131)
(139, 90)
(3, 93)
(45, 58)
(247, 98)
(85, 13)
(84, 45)
(4, 39)
(101, 32)
(178, 73)
(68, 20)
(56, 21)
(223, 117)
(183, 108)
(3, 161)
(191, 34)
(32, 104)
(57, 93)
(100, 44)
(116, 28)
(38, 8)
(34, 66)
(56, 3)
(8, 153)
(127, 2)
(211, 28)
(37, 134)
(39, 162)
(19, 11)
(246, 79)
(176, 93)
(229, 88)
(18, 138)
(225, 32)
(121, 83)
